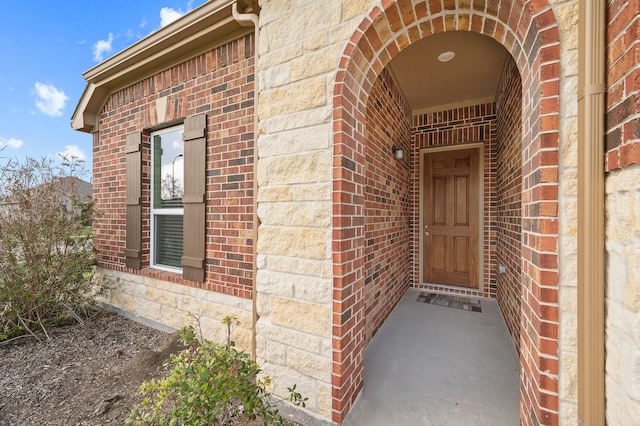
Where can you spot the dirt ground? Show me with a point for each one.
(86, 375)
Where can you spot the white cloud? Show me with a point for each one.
(102, 47)
(143, 23)
(72, 152)
(168, 15)
(12, 143)
(51, 101)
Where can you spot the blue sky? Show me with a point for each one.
(45, 46)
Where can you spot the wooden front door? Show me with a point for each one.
(451, 216)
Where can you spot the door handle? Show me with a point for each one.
(426, 234)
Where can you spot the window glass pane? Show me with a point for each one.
(168, 240)
(168, 169)
(167, 158)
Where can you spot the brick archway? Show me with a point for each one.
(530, 34)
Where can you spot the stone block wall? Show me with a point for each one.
(623, 296)
(622, 214)
(170, 306)
(566, 14)
(300, 45)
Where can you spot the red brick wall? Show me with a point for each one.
(528, 30)
(387, 205)
(508, 196)
(468, 124)
(623, 80)
(220, 83)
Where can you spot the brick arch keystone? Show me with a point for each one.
(529, 32)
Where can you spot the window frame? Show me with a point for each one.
(155, 212)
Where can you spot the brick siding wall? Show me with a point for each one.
(387, 205)
(219, 82)
(529, 31)
(508, 196)
(623, 80)
(476, 123)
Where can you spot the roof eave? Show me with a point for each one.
(203, 28)
(85, 116)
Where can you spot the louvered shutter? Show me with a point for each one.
(133, 201)
(193, 256)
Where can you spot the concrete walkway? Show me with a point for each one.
(434, 365)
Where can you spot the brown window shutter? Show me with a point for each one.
(195, 151)
(133, 201)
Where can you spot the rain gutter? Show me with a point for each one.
(252, 19)
(591, 248)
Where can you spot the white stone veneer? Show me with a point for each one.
(566, 13)
(623, 296)
(166, 305)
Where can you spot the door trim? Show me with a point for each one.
(481, 220)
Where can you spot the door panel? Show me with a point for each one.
(440, 201)
(451, 217)
(461, 200)
(461, 248)
(439, 250)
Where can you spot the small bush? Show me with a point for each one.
(46, 250)
(208, 383)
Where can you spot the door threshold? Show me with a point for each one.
(450, 289)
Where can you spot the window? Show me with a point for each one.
(167, 190)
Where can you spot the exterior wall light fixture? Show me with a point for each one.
(398, 153)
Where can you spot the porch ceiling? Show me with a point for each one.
(472, 75)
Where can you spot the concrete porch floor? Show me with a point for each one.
(434, 365)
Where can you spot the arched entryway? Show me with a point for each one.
(530, 35)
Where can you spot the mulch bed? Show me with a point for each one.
(88, 374)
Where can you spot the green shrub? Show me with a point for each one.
(46, 250)
(208, 383)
